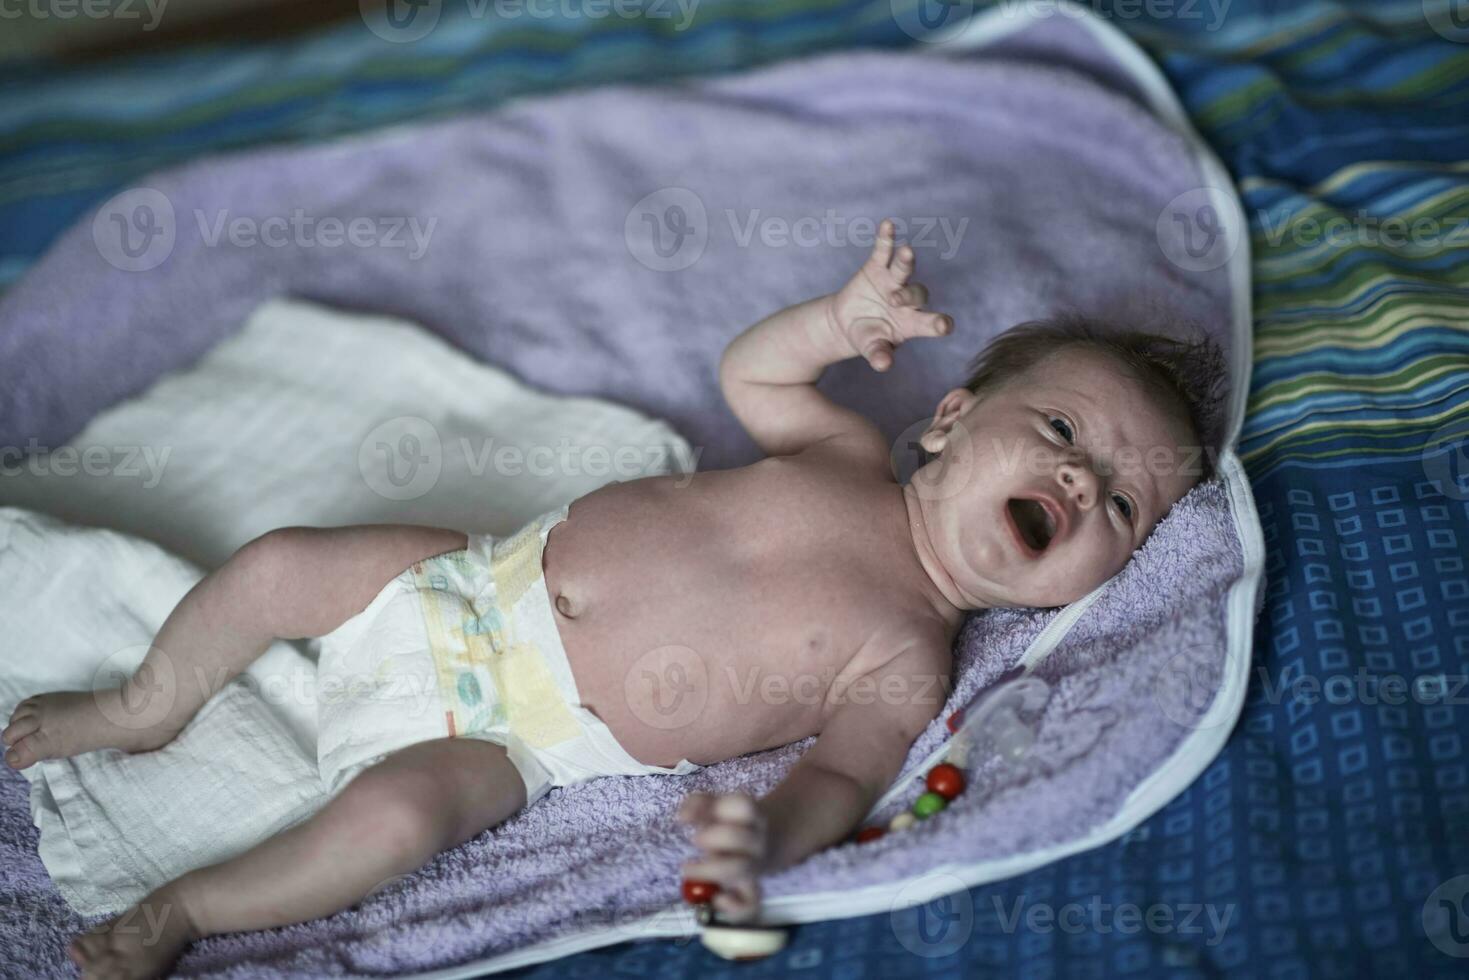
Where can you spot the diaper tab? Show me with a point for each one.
(537, 705)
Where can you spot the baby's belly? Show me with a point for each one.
(683, 662)
(707, 621)
(676, 686)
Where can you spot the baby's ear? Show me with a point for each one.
(955, 403)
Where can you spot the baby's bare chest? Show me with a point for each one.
(707, 636)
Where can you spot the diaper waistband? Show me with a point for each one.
(540, 684)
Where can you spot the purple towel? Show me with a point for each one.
(1031, 177)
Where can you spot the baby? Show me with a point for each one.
(634, 632)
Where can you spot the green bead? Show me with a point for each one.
(927, 805)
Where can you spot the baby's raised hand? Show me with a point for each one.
(730, 829)
(878, 309)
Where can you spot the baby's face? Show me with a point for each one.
(1044, 489)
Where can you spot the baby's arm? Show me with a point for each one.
(827, 793)
(769, 372)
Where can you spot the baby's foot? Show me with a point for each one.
(142, 942)
(64, 723)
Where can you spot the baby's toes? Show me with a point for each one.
(84, 949)
(23, 722)
(26, 752)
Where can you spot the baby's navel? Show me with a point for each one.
(565, 607)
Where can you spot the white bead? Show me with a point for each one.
(902, 821)
(734, 943)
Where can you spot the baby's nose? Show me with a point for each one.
(1079, 483)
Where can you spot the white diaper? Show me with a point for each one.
(464, 644)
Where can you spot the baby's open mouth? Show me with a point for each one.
(1032, 521)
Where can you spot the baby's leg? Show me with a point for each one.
(389, 820)
(293, 582)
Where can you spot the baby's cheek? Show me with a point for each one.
(1085, 572)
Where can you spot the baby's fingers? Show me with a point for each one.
(872, 338)
(725, 838)
(696, 808)
(739, 904)
(913, 295)
(882, 247)
(878, 353)
(926, 324)
(903, 263)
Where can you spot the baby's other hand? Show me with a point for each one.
(878, 309)
(730, 829)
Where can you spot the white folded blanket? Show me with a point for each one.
(307, 416)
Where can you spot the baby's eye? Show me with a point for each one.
(1123, 504)
(1064, 428)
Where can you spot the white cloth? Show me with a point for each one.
(307, 416)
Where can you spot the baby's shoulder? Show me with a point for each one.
(918, 644)
(860, 453)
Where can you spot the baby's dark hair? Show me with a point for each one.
(1184, 374)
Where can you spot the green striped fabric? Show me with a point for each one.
(1347, 131)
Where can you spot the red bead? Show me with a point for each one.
(699, 892)
(946, 780)
(868, 833)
